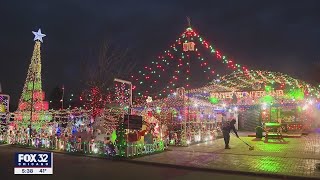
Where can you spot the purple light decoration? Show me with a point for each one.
(180, 117)
(58, 131)
(318, 106)
(74, 130)
(37, 142)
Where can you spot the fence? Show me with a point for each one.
(76, 146)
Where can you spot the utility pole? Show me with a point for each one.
(62, 99)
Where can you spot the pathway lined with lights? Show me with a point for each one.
(297, 158)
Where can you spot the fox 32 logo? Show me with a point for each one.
(33, 160)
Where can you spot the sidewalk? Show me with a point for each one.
(297, 158)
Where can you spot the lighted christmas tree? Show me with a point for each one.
(32, 102)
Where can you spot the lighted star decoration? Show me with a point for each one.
(38, 35)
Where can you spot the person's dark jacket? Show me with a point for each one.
(231, 126)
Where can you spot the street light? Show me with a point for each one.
(126, 82)
(62, 98)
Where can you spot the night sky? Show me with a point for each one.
(275, 35)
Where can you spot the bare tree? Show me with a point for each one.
(99, 72)
(111, 62)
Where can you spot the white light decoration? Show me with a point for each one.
(264, 106)
(197, 138)
(310, 101)
(38, 35)
(149, 99)
(95, 150)
(305, 107)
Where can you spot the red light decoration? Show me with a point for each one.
(159, 70)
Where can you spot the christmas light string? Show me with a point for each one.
(189, 33)
(265, 77)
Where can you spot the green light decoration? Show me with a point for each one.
(214, 100)
(45, 117)
(121, 141)
(279, 81)
(161, 145)
(296, 94)
(113, 136)
(26, 96)
(36, 126)
(26, 117)
(268, 164)
(37, 86)
(158, 110)
(299, 109)
(267, 99)
(268, 89)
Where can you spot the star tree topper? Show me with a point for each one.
(38, 35)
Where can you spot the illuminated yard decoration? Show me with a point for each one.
(296, 94)
(279, 97)
(272, 84)
(182, 119)
(214, 100)
(241, 90)
(270, 81)
(246, 92)
(4, 110)
(32, 97)
(4, 103)
(267, 99)
(172, 69)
